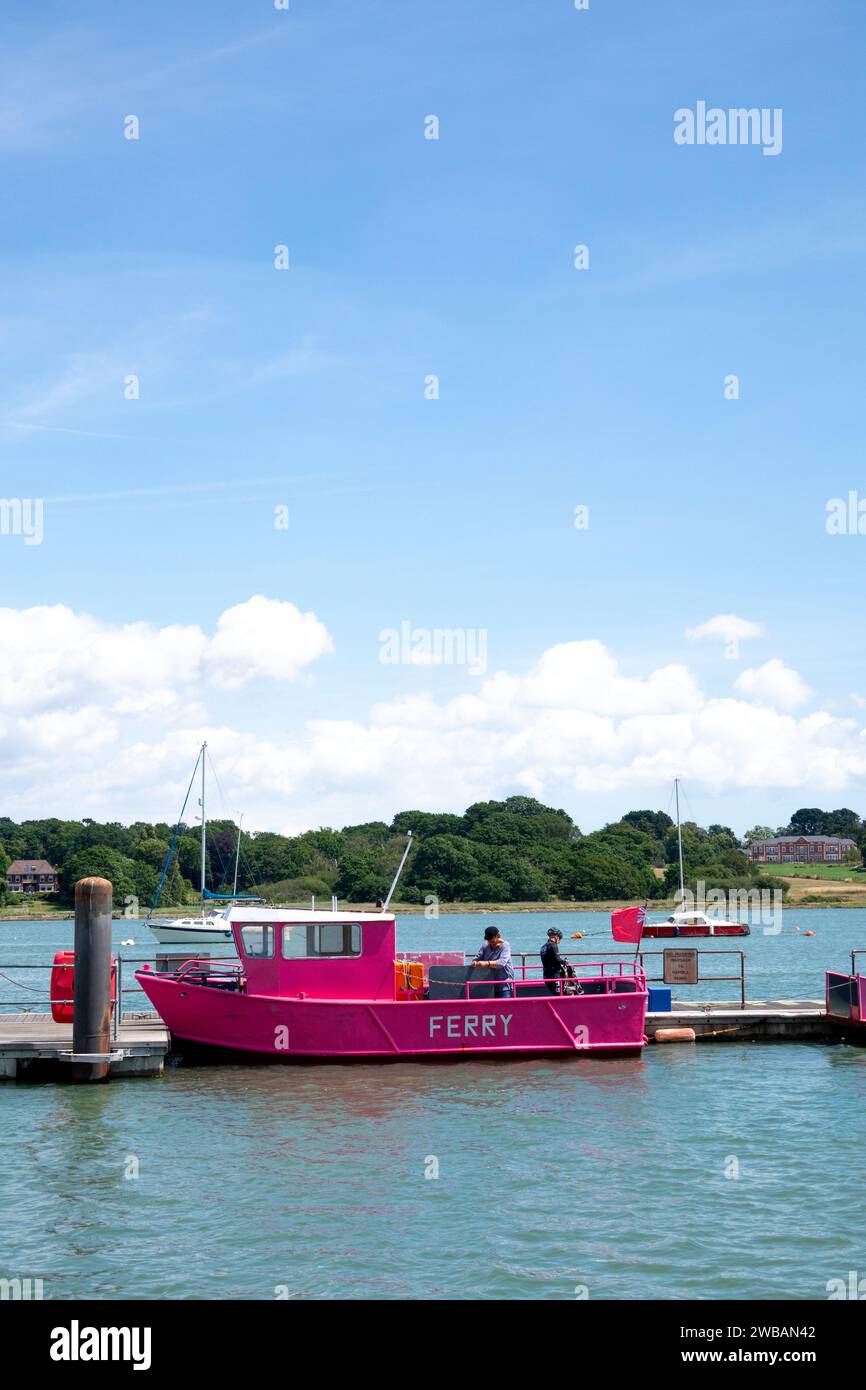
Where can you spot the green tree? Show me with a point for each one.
(652, 823)
(758, 832)
(520, 820)
(809, 820)
(100, 861)
(843, 822)
(597, 873)
(362, 879)
(152, 851)
(424, 824)
(487, 888)
(447, 866)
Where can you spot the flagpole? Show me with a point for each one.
(640, 938)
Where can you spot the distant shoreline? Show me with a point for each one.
(848, 901)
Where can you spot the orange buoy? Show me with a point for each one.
(809, 933)
(674, 1035)
(577, 936)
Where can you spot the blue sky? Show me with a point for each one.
(305, 389)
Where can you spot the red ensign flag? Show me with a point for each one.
(627, 923)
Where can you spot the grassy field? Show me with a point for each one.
(32, 909)
(821, 885)
(845, 873)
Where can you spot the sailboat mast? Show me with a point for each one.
(203, 828)
(680, 843)
(237, 856)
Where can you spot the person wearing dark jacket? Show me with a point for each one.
(552, 963)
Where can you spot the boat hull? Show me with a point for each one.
(846, 999)
(332, 1030)
(194, 936)
(666, 929)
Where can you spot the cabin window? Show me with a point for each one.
(312, 940)
(258, 940)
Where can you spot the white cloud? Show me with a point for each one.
(127, 706)
(56, 730)
(773, 684)
(264, 638)
(64, 659)
(725, 627)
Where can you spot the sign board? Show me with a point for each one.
(681, 966)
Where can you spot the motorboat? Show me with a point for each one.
(695, 924)
(331, 987)
(213, 930)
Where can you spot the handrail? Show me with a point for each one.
(706, 979)
(595, 958)
(627, 968)
(38, 1003)
(213, 967)
(562, 981)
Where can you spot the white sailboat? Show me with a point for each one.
(683, 923)
(213, 928)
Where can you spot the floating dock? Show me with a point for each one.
(34, 1048)
(758, 1020)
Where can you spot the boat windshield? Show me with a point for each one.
(257, 939)
(303, 940)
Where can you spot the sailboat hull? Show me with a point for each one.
(192, 934)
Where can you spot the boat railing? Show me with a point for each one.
(602, 968)
(590, 967)
(198, 965)
(529, 975)
(558, 984)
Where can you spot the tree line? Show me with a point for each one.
(517, 850)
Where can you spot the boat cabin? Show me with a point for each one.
(693, 919)
(323, 955)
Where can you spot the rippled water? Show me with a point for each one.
(787, 964)
(552, 1175)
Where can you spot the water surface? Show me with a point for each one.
(310, 1182)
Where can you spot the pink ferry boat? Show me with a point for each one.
(330, 986)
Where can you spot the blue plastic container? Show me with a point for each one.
(659, 1001)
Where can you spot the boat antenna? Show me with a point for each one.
(399, 871)
(680, 845)
(237, 856)
(203, 829)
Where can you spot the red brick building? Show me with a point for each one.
(32, 876)
(802, 849)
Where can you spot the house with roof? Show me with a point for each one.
(32, 876)
(802, 849)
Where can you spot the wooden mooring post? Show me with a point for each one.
(91, 1023)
